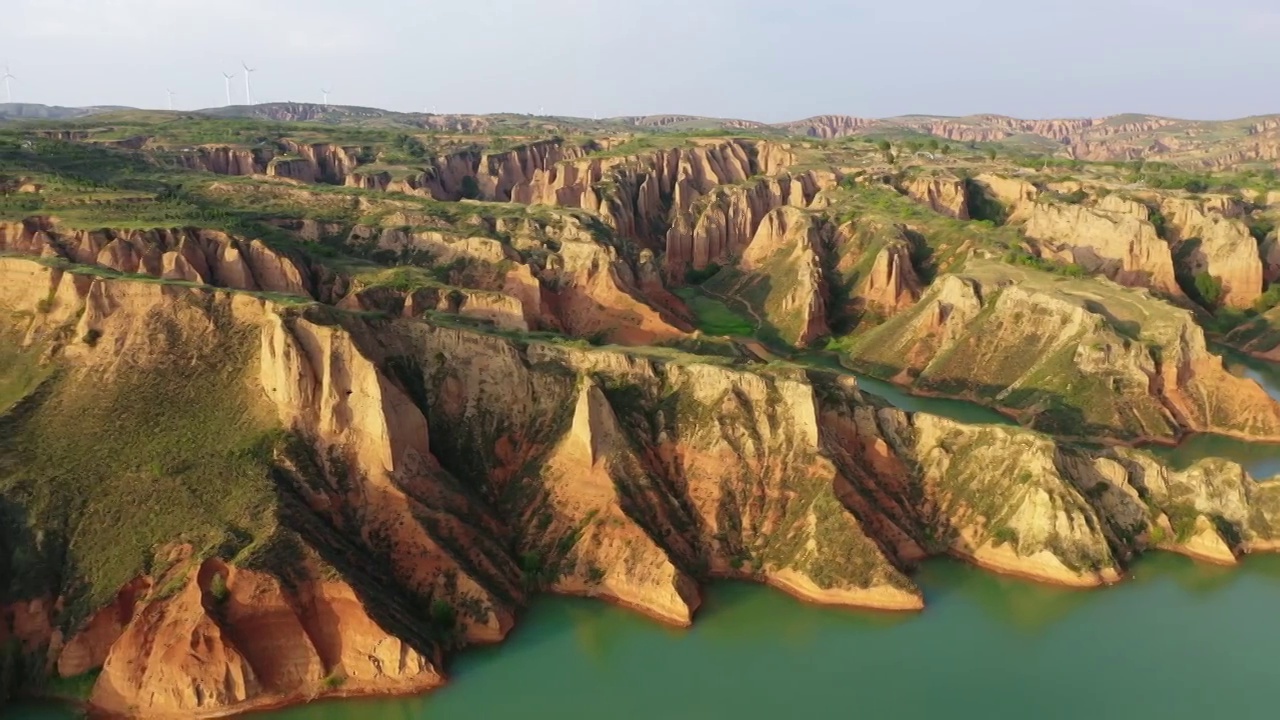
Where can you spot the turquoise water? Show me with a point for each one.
(1179, 640)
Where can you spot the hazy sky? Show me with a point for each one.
(761, 59)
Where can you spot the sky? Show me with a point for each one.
(769, 60)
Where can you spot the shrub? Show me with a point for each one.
(1209, 288)
(1157, 219)
(443, 613)
(1018, 257)
(218, 589)
(1260, 228)
(1005, 535)
(1268, 299)
(470, 188)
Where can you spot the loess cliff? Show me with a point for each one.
(1071, 357)
(394, 489)
(314, 429)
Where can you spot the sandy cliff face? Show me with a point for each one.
(363, 489)
(944, 195)
(1208, 237)
(830, 126)
(780, 275)
(226, 160)
(872, 271)
(718, 227)
(189, 254)
(233, 638)
(892, 284)
(555, 276)
(635, 195)
(1017, 198)
(1121, 246)
(498, 174)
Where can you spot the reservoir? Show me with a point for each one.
(1178, 640)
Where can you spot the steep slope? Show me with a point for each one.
(1075, 357)
(1119, 245)
(389, 490)
(780, 275)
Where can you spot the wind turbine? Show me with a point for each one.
(227, 78)
(326, 97)
(248, 90)
(171, 94)
(8, 91)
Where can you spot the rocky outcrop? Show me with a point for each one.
(226, 160)
(635, 195)
(551, 276)
(1093, 361)
(781, 276)
(719, 226)
(1016, 198)
(300, 162)
(325, 162)
(829, 126)
(369, 180)
(234, 639)
(943, 195)
(187, 254)
(1123, 247)
(1209, 238)
(892, 284)
(496, 175)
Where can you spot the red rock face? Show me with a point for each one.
(234, 639)
(196, 255)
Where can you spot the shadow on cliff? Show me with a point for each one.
(34, 565)
(369, 574)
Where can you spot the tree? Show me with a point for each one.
(933, 144)
(1209, 289)
(884, 146)
(470, 188)
(991, 153)
(946, 149)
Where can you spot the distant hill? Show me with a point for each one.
(36, 111)
(1215, 144)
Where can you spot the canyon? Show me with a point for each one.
(308, 417)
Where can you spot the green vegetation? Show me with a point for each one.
(111, 473)
(218, 588)
(713, 316)
(470, 188)
(1020, 257)
(1208, 289)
